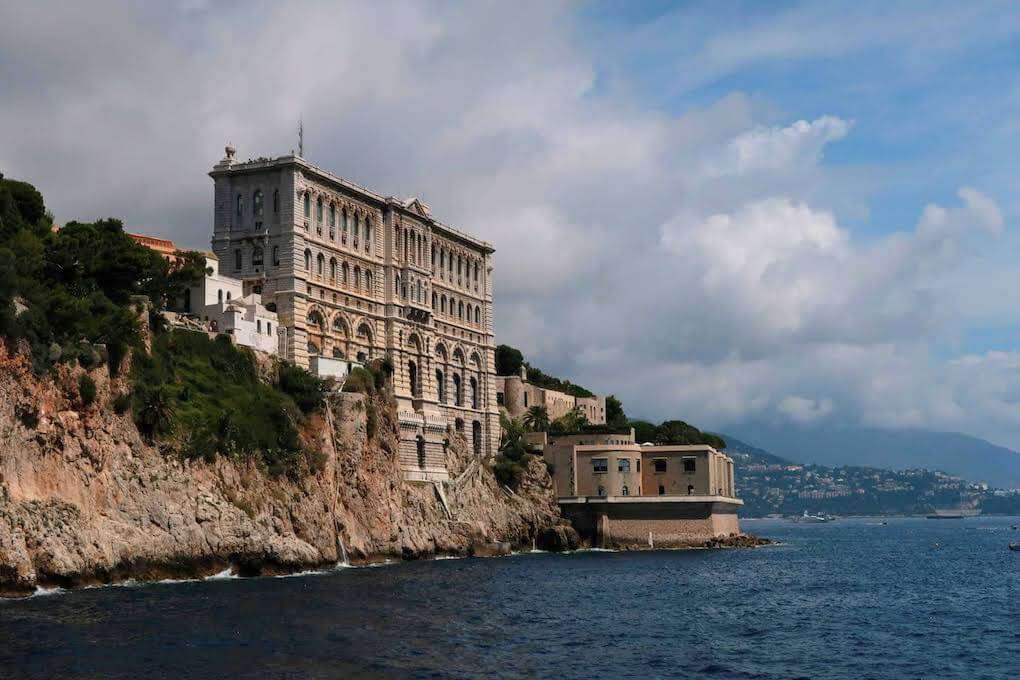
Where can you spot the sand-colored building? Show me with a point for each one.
(355, 275)
(621, 493)
(515, 395)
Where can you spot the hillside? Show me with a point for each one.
(960, 455)
(769, 484)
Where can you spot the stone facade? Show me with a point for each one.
(516, 395)
(357, 275)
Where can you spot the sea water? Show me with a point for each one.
(913, 598)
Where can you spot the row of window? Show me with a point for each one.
(458, 384)
(347, 276)
(257, 203)
(623, 464)
(458, 309)
(662, 490)
(257, 257)
(467, 268)
(348, 222)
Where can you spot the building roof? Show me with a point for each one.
(413, 207)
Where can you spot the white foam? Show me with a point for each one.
(44, 592)
(227, 573)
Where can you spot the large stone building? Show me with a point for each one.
(515, 395)
(619, 493)
(358, 275)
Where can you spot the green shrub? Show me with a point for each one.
(86, 389)
(303, 387)
(210, 391)
(508, 471)
(360, 380)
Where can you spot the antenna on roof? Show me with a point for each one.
(301, 137)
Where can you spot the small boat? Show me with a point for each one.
(811, 519)
(1014, 546)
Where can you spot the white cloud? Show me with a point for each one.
(700, 265)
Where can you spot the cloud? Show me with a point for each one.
(702, 259)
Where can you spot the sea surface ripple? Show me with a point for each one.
(914, 598)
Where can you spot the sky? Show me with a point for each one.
(720, 212)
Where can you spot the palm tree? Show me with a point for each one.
(537, 419)
(511, 443)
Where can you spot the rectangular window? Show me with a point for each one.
(623, 465)
(237, 259)
(689, 464)
(269, 328)
(639, 467)
(499, 398)
(600, 464)
(660, 464)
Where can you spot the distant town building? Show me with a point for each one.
(355, 275)
(619, 492)
(515, 395)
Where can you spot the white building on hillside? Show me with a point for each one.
(218, 301)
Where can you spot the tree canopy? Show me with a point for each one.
(60, 288)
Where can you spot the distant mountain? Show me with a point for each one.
(967, 457)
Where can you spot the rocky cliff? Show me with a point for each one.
(83, 499)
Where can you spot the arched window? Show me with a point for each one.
(442, 304)
(332, 269)
(219, 296)
(440, 386)
(435, 300)
(442, 259)
(418, 296)
(276, 200)
(460, 310)
(256, 203)
(368, 234)
(458, 395)
(308, 260)
(357, 276)
(690, 489)
(320, 263)
(332, 214)
(228, 296)
(602, 490)
(346, 270)
(412, 377)
(474, 393)
(313, 348)
(396, 285)
(343, 220)
(318, 210)
(624, 491)
(476, 271)
(276, 255)
(240, 204)
(308, 206)
(478, 315)
(368, 280)
(256, 256)
(433, 256)
(356, 229)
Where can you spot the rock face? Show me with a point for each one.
(83, 499)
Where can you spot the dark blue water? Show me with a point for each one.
(852, 599)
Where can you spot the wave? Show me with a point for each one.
(40, 591)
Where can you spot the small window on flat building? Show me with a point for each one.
(662, 490)
(499, 398)
(600, 464)
(623, 465)
(660, 464)
(624, 491)
(689, 464)
(602, 491)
